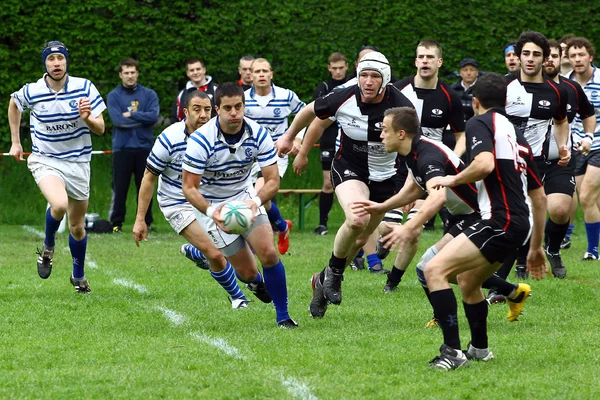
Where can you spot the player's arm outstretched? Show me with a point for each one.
(409, 193)
(481, 166)
(313, 134)
(140, 229)
(286, 142)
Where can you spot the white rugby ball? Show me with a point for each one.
(237, 216)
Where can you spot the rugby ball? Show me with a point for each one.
(237, 216)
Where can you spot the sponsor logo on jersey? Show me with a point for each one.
(437, 111)
(568, 107)
(43, 109)
(73, 104)
(594, 94)
(249, 153)
(61, 127)
(378, 126)
(544, 104)
(353, 123)
(475, 142)
(431, 169)
(277, 112)
(518, 102)
(230, 174)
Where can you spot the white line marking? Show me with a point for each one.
(219, 343)
(173, 316)
(297, 389)
(129, 284)
(91, 264)
(29, 229)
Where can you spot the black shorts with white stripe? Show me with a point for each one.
(342, 171)
(494, 242)
(457, 224)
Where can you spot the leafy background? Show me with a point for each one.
(296, 36)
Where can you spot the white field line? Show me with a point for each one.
(297, 389)
(220, 344)
(29, 229)
(173, 316)
(128, 284)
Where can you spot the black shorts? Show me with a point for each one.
(457, 224)
(493, 242)
(581, 161)
(327, 154)
(341, 172)
(559, 179)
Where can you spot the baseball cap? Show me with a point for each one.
(468, 61)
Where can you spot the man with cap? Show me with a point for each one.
(469, 71)
(361, 169)
(64, 110)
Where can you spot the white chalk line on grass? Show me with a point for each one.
(128, 284)
(295, 387)
(173, 316)
(218, 343)
(29, 229)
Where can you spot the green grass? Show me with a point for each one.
(117, 342)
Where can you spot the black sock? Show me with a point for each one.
(477, 317)
(507, 265)
(500, 285)
(325, 204)
(337, 264)
(445, 310)
(556, 233)
(395, 275)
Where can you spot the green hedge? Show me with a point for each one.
(296, 36)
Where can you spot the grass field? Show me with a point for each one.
(155, 326)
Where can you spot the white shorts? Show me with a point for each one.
(180, 216)
(220, 238)
(282, 164)
(75, 175)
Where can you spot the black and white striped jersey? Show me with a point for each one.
(532, 106)
(502, 195)
(360, 127)
(437, 108)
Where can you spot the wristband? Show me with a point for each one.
(589, 135)
(210, 211)
(257, 200)
(588, 139)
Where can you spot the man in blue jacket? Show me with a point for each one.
(133, 110)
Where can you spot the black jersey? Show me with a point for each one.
(429, 159)
(503, 193)
(577, 103)
(532, 106)
(360, 127)
(437, 108)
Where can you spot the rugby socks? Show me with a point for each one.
(337, 265)
(277, 287)
(325, 204)
(507, 265)
(395, 275)
(445, 310)
(500, 285)
(196, 254)
(569, 232)
(593, 235)
(226, 279)
(78, 248)
(51, 228)
(477, 317)
(276, 219)
(373, 260)
(555, 233)
(360, 253)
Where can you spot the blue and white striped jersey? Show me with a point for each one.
(56, 128)
(225, 168)
(272, 111)
(165, 160)
(592, 91)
